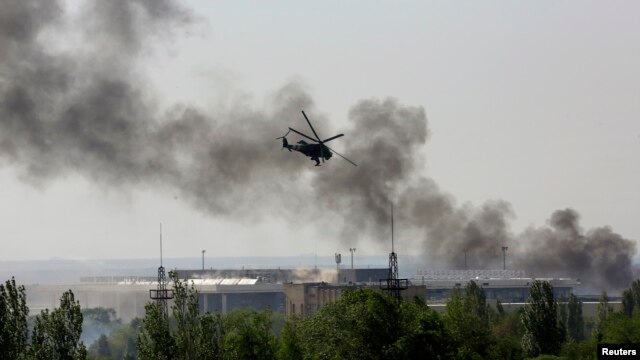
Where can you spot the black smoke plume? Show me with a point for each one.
(85, 110)
(599, 257)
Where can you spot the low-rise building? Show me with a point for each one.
(504, 285)
(305, 299)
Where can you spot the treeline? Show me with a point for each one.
(52, 335)
(363, 324)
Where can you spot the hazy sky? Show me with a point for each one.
(533, 102)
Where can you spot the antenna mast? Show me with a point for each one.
(160, 244)
(161, 294)
(392, 229)
(392, 284)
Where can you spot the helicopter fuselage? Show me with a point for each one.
(314, 151)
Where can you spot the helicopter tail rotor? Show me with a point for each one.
(285, 143)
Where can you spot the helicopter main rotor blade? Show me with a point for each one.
(284, 136)
(337, 153)
(301, 134)
(312, 129)
(331, 138)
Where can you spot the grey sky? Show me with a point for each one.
(536, 103)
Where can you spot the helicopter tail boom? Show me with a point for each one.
(285, 143)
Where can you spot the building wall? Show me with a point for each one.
(504, 294)
(305, 299)
(372, 276)
(129, 300)
(226, 302)
(589, 309)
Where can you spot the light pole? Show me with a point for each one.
(504, 257)
(352, 250)
(203, 259)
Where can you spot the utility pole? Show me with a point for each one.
(203, 259)
(352, 250)
(504, 257)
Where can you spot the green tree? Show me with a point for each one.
(103, 349)
(585, 350)
(186, 314)
(635, 289)
(603, 312)
(330, 332)
(13, 320)
(510, 326)
(507, 332)
(620, 329)
(56, 334)
(130, 350)
(100, 315)
(500, 309)
(466, 320)
(121, 342)
(422, 334)
(363, 324)
(154, 340)
(248, 335)
(628, 302)
(209, 337)
(189, 334)
(97, 322)
(192, 336)
(575, 321)
(290, 344)
(475, 301)
(562, 315)
(367, 324)
(540, 320)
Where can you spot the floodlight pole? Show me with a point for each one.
(203, 259)
(352, 250)
(504, 257)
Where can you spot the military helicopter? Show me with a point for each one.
(318, 151)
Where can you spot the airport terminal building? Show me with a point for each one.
(505, 285)
(292, 291)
